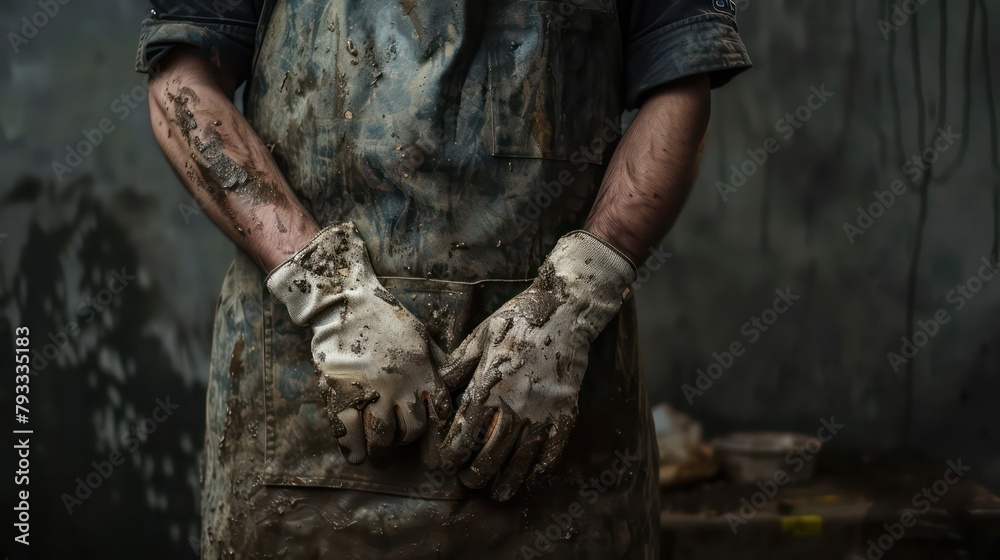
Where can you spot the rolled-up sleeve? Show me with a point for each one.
(224, 30)
(665, 40)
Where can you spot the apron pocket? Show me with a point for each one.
(553, 79)
(300, 449)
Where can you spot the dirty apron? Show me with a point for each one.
(463, 138)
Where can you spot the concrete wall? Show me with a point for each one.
(783, 229)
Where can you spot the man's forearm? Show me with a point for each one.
(653, 169)
(227, 168)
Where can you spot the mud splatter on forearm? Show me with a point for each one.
(225, 165)
(222, 173)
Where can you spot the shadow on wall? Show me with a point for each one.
(117, 427)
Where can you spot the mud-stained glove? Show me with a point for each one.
(527, 362)
(371, 353)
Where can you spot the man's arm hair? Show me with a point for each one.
(653, 169)
(221, 160)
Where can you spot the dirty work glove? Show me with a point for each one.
(527, 362)
(371, 353)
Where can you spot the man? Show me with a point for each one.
(421, 349)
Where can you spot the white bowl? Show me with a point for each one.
(758, 456)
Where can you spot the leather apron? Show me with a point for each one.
(463, 139)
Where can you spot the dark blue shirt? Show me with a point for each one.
(663, 40)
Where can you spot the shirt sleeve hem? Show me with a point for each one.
(227, 46)
(707, 43)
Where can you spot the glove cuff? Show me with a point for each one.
(318, 274)
(592, 275)
(581, 255)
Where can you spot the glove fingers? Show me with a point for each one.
(438, 356)
(462, 362)
(439, 406)
(340, 395)
(553, 448)
(438, 399)
(516, 471)
(411, 421)
(457, 446)
(380, 427)
(500, 439)
(353, 443)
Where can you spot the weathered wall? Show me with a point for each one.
(827, 355)
(783, 229)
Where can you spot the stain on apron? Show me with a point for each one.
(435, 127)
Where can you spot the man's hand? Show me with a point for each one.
(527, 362)
(372, 354)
